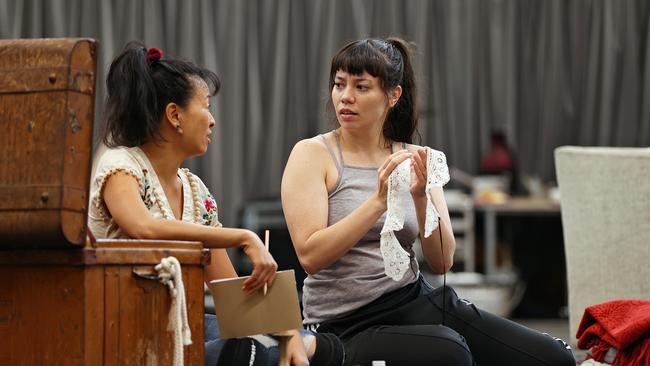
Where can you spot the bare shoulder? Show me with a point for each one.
(313, 144)
(313, 149)
(307, 165)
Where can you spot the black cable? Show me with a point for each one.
(444, 273)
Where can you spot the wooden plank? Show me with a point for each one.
(38, 53)
(33, 65)
(193, 280)
(111, 316)
(31, 229)
(93, 332)
(47, 258)
(32, 138)
(141, 256)
(34, 79)
(144, 339)
(30, 197)
(77, 162)
(7, 315)
(42, 315)
(149, 253)
(47, 79)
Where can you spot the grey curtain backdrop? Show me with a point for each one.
(546, 72)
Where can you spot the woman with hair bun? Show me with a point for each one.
(357, 199)
(158, 115)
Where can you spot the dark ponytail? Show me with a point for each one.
(391, 61)
(139, 89)
(402, 121)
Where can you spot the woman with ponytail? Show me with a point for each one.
(357, 199)
(158, 115)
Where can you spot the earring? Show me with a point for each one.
(178, 126)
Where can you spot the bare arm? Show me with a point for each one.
(122, 198)
(304, 201)
(220, 266)
(431, 246)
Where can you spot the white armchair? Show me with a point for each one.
(605, 200)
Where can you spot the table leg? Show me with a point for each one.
(490, 254)
(283, 341)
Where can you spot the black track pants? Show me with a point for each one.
(403, 328)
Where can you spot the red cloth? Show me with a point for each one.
(622, 324)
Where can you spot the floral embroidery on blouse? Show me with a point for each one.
(146, 193)
(210, 209)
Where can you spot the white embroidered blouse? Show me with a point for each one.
(199, 206)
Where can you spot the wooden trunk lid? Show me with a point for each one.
(47, 89)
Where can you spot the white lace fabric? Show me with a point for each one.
(437, 176)
(396, 259)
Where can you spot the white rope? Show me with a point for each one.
(169, 273)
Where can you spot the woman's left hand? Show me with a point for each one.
(419, 173)
(296, 351)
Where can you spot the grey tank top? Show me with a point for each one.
(358, 277)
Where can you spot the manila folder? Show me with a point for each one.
(243, 315)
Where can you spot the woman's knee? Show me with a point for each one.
(455, 350)
(410, 345)
(563, 356)
(454, 354)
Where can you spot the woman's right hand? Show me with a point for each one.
(264, 266)
(385, 170)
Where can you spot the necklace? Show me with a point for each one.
(196, 202)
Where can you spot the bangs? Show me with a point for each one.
(212, 80)
(186, 70)
(358, 57)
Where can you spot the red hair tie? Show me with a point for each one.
(153, 54)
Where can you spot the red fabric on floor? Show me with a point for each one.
(621, 324)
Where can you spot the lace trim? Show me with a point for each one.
(396, 259)
(437, 176)
(437, 169)
(98, 201)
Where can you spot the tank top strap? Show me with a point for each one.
(332, 153)
(338, 146)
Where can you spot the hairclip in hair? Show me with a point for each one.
(153, 54)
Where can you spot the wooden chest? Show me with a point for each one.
(47, 90)
(63, 300)
(96, 306)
